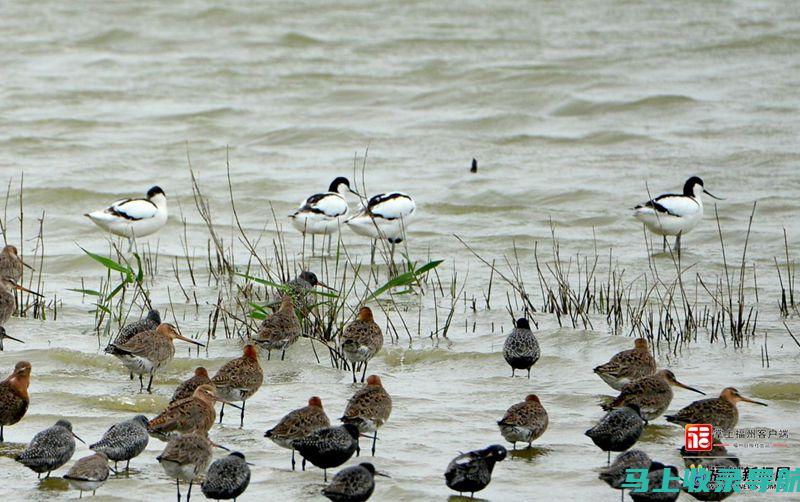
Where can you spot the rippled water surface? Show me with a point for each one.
(570, 109)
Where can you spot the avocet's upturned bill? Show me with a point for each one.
(134, 217)
(674, 214)
(386, 216)
(321, 213)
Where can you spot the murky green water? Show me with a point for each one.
(569, 110)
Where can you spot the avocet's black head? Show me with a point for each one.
(369, 467)
(237, 454)
(156, 190)
(688, 187)
(494, 452)
(335, 184)
(352, 429)
(153, 315)
(309, 277)
(523, 323)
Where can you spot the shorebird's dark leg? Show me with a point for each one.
(269, 354)
(131, 373)
(354, 372)
(678, 243)
(374, 439)
(513, 370)
(664, 244)
(608, 462)
(141, 383)
(48, 475)
(304, 463)
(38, 475)
(221, 412)
(622, 497)
(364, 373)
(283, 354)
(189, 493)
(293, 462)
(529, 373)
(80, 494)
(1, 433)
(150, 384)
(178, 482)
(325, 475)
(241, 419)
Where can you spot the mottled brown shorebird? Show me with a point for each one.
(524, 422)
(361, 340)
(227, 478)
(353, 484)
(8, 300)
(148, 323)
(280, 330)
(149, 351)
(195, 413)
(186, 458)
(11, 264)
(187, 387)
(238, 380)
(618, 430)
(298, 424)
(720, 411)
(628, 365)
(369, 408)
(14, 398)
(88, 473)
(653, 394)
(616, 473)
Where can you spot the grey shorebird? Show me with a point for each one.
(227, 478)
(186, 458)
(124, 441)
(49, 449)
(369, 408)
(298, 424)
(472, 471)
(88, 473)
(628, 365)
(238, 380)
(615, 474)
(280, 330)
(652, 394)
(302, 289)
(14, 398)
(655, 483)
(361, 340)
(521, 349)
(328, 447)
(618, 430)
(353, 484)
(720, 411)
(524, 422)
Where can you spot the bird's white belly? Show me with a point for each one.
(315, 223)
(138, 365)
(86, 486)
(184, 472)
(390, 229)
(667, 224)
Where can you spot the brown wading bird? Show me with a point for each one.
(11, 264)
(280, 330)
(186, 458)
(88, 473)
(149, 351)
(194, 413)
(524, 421)
(14, 398)
(298, 424)
(238, 380)
(361, 340)
(720, 411)
(653, 394)
(150, 322)
(186, 388)
(628, 365)
(8, 300)
(369, 408)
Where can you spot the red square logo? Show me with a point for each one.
(698, 437)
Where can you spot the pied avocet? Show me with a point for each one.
(321, 213)
(133, 218)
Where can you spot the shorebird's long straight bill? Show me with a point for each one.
(23, 288)
(76, 437)
(26, 265)
(689, 388)
(6, 335)
(181, 337)
(748, 400)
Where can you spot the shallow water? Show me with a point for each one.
(569, 110)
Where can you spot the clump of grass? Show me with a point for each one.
(786, 303)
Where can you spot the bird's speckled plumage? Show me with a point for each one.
(361, 340)
(14, 397)
(227, 478)
(298, 424)
(328, 447)
(281, 329)
(652, 394)
(88, 473)
(10, 263)
(148, 323)
(619, 429)
(655, 481)
(124, 440)
(194, 413)
(614, 475)
(239, 379)
(524, 422)
(521, 349)
(352, 484)
(369, 408)
(186, 456)
(472, 471)
(628, 365)
(712, 460)
(187, 387)
(49, 449)
(720, 411)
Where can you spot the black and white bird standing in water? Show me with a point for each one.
(385, 216)
(227, 478)
(521, 350)
(133, 218)
(674, 214)
(49, 449)
(472, 471)
(88, 473)
(322, 213)
(328, 447)
(656, 491)
(124, 441)
(353, 484)
(618, 430)
(616, 473)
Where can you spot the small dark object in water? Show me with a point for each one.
(474, 168)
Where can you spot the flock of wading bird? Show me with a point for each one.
(147, 345)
